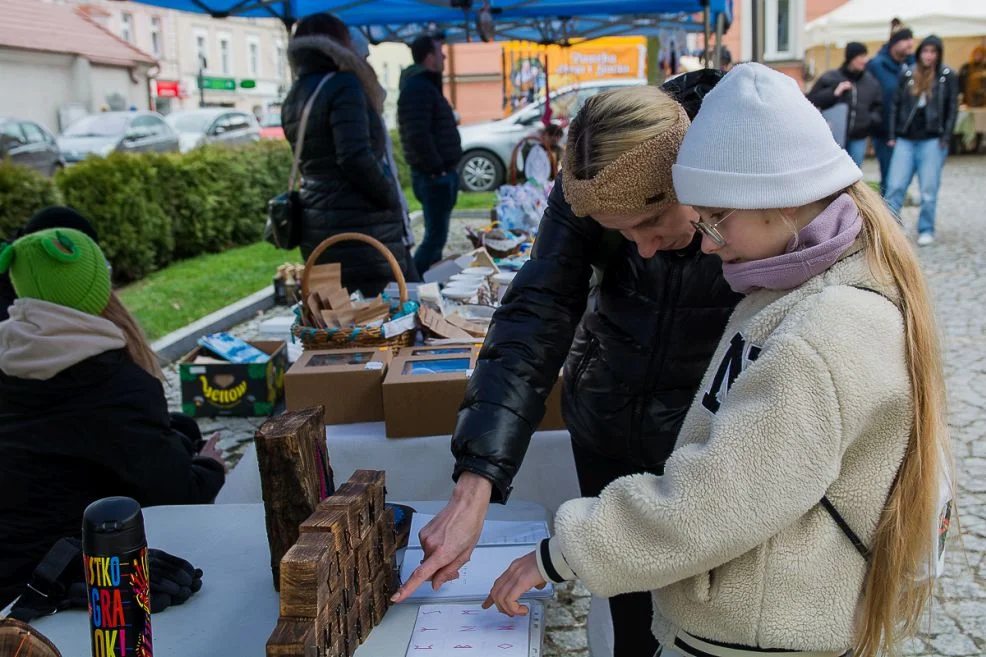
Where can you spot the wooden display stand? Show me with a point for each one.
(337, 579)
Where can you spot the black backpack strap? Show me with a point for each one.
(846, 529)
(47, 590)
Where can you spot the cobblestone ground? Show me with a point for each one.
(955, 266)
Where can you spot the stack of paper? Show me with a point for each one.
(469, 630)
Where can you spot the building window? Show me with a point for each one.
(156, 36)
(782, 19)
(253, 56)
(279, 63)
(127, 27)
(225, 65)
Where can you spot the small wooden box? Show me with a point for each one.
(330, 520)
(352, 499)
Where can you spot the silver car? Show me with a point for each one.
(213, 125)
(487, 147)
(106, 132)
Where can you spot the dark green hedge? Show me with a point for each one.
(151, 209)
(22, 193)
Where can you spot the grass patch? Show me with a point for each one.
(191, 289)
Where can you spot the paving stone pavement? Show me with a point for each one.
(954, 265)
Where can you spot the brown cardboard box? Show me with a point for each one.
(347, 382)
(424, 388)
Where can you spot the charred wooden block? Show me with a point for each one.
(292, 638)
(381, 597)
(332, 526)
(293, 465)
(375, 481)
(306, 571)
(388, 534)
(352, 499)
(365, 607)
(366, 564)
(353, 630)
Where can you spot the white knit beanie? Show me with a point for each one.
(758, 143)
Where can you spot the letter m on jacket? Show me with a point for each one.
(733, 361)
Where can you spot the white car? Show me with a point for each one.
(487, 147)
(213, 125)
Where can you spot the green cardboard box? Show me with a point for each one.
(231, 389)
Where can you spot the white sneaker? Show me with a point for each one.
(924, 239)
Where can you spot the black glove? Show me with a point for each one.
(173, 581)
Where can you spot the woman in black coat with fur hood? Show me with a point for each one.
(348, 184)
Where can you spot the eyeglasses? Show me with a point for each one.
(712, 230)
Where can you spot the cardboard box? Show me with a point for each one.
(424, 388)
(231, 389)
(347, 382)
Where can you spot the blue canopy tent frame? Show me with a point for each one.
(539, 21)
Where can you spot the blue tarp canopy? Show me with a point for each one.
(542, 21)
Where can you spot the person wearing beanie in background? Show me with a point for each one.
(922, 120)
(799, 506)
(82, 413)
(887, 67)
(55, 216)
(853, 85)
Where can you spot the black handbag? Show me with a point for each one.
(284, 211)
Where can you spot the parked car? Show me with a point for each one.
(213, 125)
(106, 132)
(270, 126)
(29, 144)
(487, 147)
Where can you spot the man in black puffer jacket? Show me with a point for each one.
(431, 145)
(346, 187)
(632, 364)
(853, 85)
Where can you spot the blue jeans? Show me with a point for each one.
(437, 197)
(883, 155)
(857, 150)
(926, 157)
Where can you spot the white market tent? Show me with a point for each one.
(869, 20)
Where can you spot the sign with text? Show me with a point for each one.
(217, 84)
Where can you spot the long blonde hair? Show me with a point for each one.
(894, 593)
(613, 122)
(138, 349)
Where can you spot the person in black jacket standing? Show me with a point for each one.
(887, 66)
(82, 413)
(632, 364)
(346, 186)
(854, 85)
(432, 145)
(922, 120)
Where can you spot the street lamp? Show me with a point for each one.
(202, 67)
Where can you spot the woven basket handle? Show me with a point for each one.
(354, 237)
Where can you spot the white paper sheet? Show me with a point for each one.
(470, 631)
(475, 578)
(495, 532)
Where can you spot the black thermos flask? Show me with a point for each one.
(118, 584)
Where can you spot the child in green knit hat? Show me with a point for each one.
(61, 266)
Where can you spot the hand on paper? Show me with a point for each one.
(448, 540)
(522, 576)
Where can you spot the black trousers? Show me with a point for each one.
(632, 612)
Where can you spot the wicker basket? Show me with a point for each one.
(345, 338)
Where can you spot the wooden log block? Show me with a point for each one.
(353, 500)
(332, 527)
(305, 573)
(388, 534)
(376, 482)
(381, 597)
(294, 474)
(366, 566)
(365, 607)
(352, 630)
(292, 638)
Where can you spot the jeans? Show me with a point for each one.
(437, 197)
(883, 155)
(857, 150)
(632, 612)
(926, 157)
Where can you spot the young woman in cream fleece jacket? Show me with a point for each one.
(823, 405)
